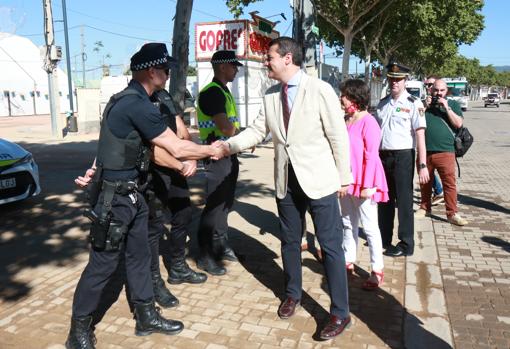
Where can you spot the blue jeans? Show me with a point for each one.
(436, 185)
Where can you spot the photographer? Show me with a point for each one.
(437, 188)
(443, 117)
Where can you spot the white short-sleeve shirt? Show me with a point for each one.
(399, 119)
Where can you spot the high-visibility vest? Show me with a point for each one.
(208, 131)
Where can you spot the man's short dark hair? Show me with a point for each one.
(435, 77)
(357, 92)
(288, 45)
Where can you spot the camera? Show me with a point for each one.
(434, 101)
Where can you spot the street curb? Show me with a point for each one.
(426, 320)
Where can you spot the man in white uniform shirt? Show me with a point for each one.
(402, 121)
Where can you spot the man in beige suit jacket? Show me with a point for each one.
(312, 167)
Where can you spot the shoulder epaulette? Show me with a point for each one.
(412, 98)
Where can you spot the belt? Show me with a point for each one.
(120, 187)
(396, 151)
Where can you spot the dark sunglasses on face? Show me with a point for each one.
(165, 69)
(430, 84)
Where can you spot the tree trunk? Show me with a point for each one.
(180, 51)
(347, 54)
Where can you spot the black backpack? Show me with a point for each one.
(463, 141)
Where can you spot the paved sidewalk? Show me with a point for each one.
(452, 292)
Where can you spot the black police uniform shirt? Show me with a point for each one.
(134, 113)
(163, 101)
(212, 101)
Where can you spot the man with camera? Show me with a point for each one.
(443, 117)
(437, 188)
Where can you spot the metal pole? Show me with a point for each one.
(72, 121)
(53, 109)
(50, 63)
(33, 98)
(83, 56)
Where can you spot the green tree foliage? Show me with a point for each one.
(422, 34)
(236, 7)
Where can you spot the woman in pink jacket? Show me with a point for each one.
(369, 186)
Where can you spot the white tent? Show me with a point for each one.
(23, 82)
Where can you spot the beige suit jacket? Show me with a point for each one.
(316, 143)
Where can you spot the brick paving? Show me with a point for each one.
(41, 260)
(474, 259)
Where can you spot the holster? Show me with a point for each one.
(106, 233)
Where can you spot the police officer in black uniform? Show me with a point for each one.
(168, 191)
(130, 125)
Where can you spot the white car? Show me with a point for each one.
(19, 174)
(459, 97)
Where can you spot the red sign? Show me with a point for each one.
(241, 36)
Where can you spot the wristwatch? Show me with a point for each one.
(422, 166)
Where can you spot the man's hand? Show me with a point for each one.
(82, 182)
(189, 168)
(443, 102)
(428, 100)
(221, 150)
(342, 192)
(423, 176)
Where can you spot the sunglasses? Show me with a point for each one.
(430, 84)
(164, 68)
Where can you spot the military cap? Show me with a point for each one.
(396, 70)
(225, 56)
(152, 55)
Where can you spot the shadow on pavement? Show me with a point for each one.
(258, 260)
(488, 205)
(48, 228)
(493, 240)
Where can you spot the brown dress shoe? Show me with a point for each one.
(288, 308)
(335, 326)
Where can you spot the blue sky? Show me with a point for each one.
(123, 26)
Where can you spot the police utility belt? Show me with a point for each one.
(107, 233)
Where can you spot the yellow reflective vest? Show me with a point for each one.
(208, 131)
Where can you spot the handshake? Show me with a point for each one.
(220, 150)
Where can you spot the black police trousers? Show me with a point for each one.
(172, 191)
(399, 170)
(221, 182)
(102, 265)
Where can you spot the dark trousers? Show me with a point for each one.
(172, 193)
(221, 178)
(326, 219)
(399, 170)
(102, 265)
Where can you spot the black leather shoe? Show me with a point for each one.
(81, 335)
(208, 264)
(162, 295)
(181, 272)
(335, 326)
(229, 255)
(148, 320)
(288, 308)
(395, 251)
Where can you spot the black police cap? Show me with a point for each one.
(151, 55)
(225, 56)
(397, 70)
